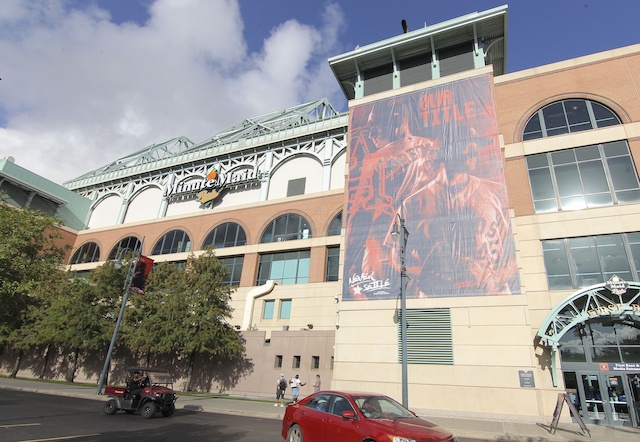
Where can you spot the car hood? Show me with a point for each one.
(414, 428)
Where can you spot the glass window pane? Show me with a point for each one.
(336, 225)
(599, 200)
(634, 245)
(577, 115)
(604, 116)
(268, 309)
(628, 196)
(616, 149)
(535, 161)
(541, 184)
(587, 153)
(554, 119)
(303, 270)
(627, 334)
(532, 130)
(585, 261)
(602, 353)
(285, 309)
(556, 264)
(568, 180)
(613, 256)
(593, 177)
(333, 263)
(623, 174)
(546, 206)
(572, 354)
(631, 355)
(567, 156)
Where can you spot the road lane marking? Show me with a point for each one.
(60, 438)
(19, 425)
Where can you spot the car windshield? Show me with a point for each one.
(160, 377)
(381, 407)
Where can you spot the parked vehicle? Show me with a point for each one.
(357, 417)
(147, 390)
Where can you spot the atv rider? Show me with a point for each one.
(136, 384)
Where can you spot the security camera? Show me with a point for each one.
(310, 326)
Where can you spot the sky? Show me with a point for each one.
(86, 82)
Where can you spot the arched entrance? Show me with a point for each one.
(596, 334)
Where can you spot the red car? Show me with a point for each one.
(357, 417)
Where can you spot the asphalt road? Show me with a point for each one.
(26, 416)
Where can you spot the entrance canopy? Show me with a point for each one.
(616, 298)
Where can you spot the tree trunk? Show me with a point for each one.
(46, 361)
(148, 358)
(71, 374)
(16, 367)
(192, 359)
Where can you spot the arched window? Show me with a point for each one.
(88, 252)
(287, 227)
(335, 228)
(568, 116)
(130, 244)
(176, 241)
(226, 235)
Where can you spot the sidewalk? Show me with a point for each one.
(480, 429)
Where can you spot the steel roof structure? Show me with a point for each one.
(293, 121)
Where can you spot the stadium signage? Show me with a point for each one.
(207, 189)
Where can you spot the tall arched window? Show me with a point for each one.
(226, 235)
(176, 241)
(88, 252)
(130, 244)
(568, 116)
(335, 228)
(287, 227)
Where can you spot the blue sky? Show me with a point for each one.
(85, 82)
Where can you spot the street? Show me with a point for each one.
(26, 416)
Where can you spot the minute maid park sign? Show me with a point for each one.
(206, 190)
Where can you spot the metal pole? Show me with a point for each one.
(403, 312)
(125, 295)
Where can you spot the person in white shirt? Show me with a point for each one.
(296, 383)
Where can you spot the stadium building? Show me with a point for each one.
(463, 238)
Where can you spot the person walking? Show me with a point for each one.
(281, 386)
(316, 384)
(296, 383)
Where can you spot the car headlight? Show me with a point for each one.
(399, 439)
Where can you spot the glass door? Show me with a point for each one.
(616, 398)
(594, 409)
(607, 398)
(633, 398)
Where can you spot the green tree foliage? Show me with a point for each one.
(29, 256)
(185, 312)
(75, 314)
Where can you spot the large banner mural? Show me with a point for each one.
(430, 160)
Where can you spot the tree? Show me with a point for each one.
(29, 256)
(185, 312)
(75, 314)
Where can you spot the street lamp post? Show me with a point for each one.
(402, 235)
(125, 295)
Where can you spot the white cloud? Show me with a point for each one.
(79, 91)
